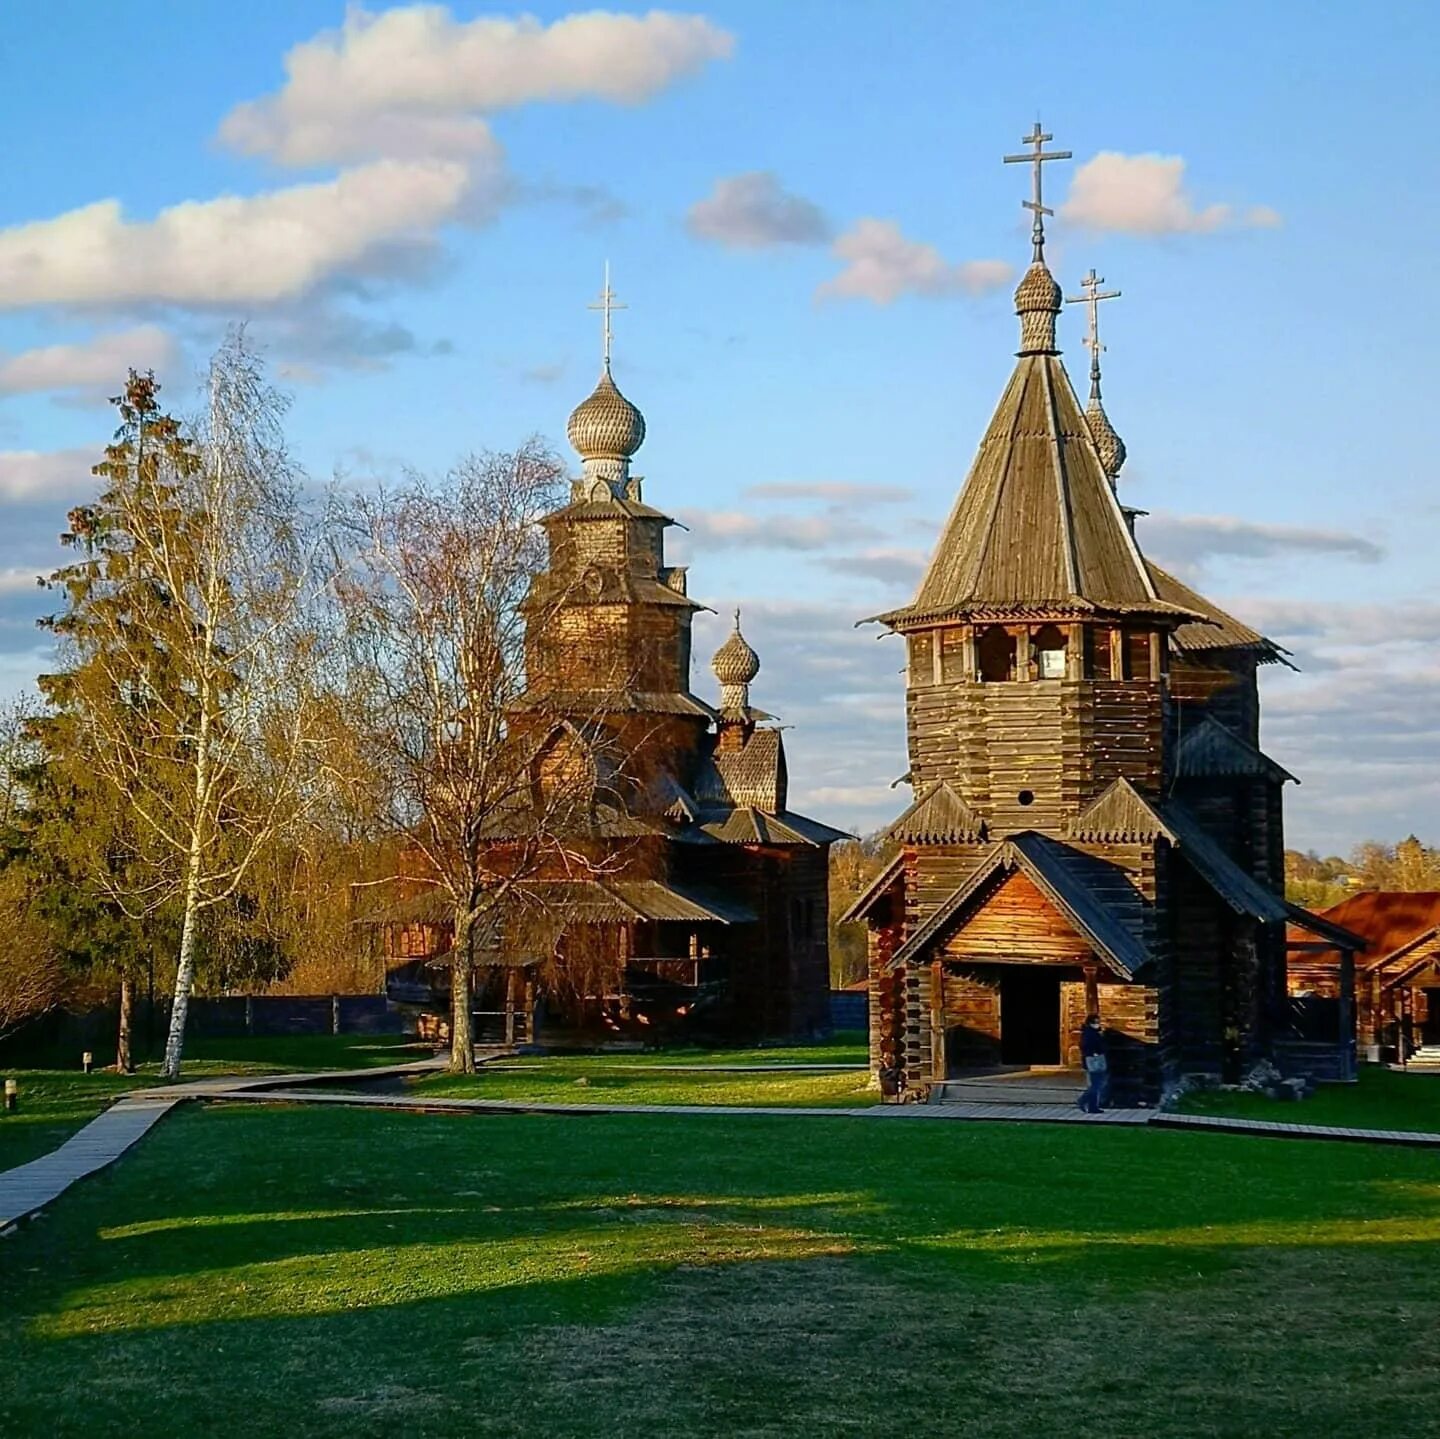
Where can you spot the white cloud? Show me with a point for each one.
(414, 81)
(259, 249)
(835, 491)
(91, 364)
(889, 565)
(1187, 542)
(754, 211)
(1146, 195)
(54, 475)
(727, 529)
(881, 265)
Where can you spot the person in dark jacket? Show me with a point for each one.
(1097, 1066)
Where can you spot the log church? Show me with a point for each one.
(697, 901)
(1094, 826)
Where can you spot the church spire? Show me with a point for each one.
(1037, 300)
(1108, 444)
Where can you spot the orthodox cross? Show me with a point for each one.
(608, 304)
(1037, 158)
(1091, 298)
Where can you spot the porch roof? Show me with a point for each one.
(1066, 877)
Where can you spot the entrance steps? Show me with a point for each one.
(1037, 1088)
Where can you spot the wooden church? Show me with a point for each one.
(1095, 828)
(692, 898)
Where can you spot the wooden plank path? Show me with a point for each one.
(26, 1190)
(1274, 1129)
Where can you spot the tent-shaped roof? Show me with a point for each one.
(1037, 525)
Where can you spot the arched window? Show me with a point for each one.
(1050, 641)
(995, 654)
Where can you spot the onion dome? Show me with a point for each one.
(1108, 445)
(735, 663)
(606, 426)
(1037, 302)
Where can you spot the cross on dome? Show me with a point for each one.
(1091, 299)
(1037, 158)
(607, 304)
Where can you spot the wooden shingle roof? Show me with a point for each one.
(1037, 525)
(939, 816)
(1218, 630)
(1211, 749)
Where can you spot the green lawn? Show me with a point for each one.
(54, 1103)
(267, 1272)
(1380, 1099)
(613, 1079)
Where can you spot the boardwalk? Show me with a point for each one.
(28, 1189)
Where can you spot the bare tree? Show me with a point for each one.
(209, 736)
(434, 598)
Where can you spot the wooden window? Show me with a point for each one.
(995, 655)
(922, 659)
(1050, 643)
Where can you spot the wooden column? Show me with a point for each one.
(510, 978)
(1092, 989)
(1347, 1011)
(1117, 654)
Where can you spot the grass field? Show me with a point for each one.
(615, 1079)
(1380, 1099)
(267, 1272)
(54, 1103)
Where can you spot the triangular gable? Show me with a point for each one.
(1044, 863)
(939, 816)
(869, 898)
(1121, 814)
(1211, 749)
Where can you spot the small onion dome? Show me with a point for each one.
(735, 663)
(1108, 445)
(1037, 291)
(606, 426)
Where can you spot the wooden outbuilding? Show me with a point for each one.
(1393, 952)
(1094, 827)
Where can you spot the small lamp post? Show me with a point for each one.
(12, 1095)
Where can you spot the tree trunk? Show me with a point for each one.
(124, 1060)
(462, 1030)
(184, 975)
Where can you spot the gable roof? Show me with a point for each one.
(939, 816)
(747, 824)
(1212, 749)
(1067, 878)
(1119, 814)
(1242, 892)
(1036, 524)
(875, 891)
(1386, 919)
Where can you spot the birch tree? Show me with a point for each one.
(196, 705)
(433, 602)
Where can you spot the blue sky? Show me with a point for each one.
(806, 212)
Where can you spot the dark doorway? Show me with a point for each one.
(1030, 1016)
(1430, 1030)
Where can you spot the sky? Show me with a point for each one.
(805, 211)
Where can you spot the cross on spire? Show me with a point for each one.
(607, 303)
(1037, 157)
(1091, 299)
